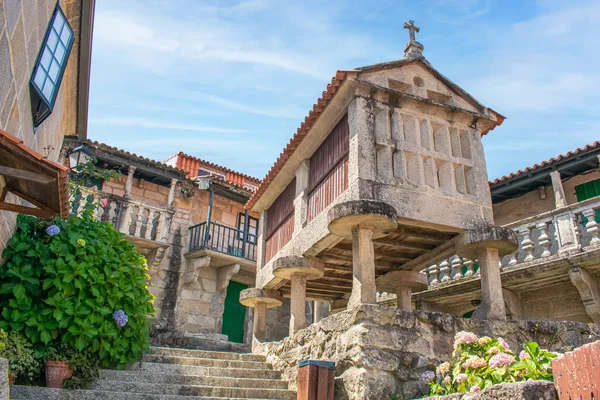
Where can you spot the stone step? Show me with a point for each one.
(204, 362)
(202, 380)
(42, 393)
(222, 355)
(193, 390)
(163, 368)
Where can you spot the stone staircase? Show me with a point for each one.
(178, 374)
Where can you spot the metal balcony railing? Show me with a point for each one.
(223, 239)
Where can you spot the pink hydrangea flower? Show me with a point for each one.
(461, 378)
(523, 355)
(475, 389)
(501, 360)
(464, 337)
(447, 380)
(494, 350)
(474, 362)
(443, 368)
(482, 341)
(504, 344)
(104, 202)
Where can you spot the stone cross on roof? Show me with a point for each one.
(413, 49)
(410, 25)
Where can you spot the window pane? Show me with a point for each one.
(59, 53)
(52, 40)
(53, 73)
(66, 35)
(48, 89)
(40, 76)
(59, 21)
(46, 58)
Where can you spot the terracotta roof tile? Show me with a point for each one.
(217, 167)
(545, 163)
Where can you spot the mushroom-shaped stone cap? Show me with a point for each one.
(471, 243)
(285, 267)
(251, 297)
(391, 281)
(379, 216)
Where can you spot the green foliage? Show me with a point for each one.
(59, 352)
(85, 366)
(21, 357)
(478, 363)
(64, 288)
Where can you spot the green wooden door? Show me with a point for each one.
(586, 191)
(234, 313)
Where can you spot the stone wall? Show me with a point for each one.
(380, 349)
(531, 203)
(23, 25)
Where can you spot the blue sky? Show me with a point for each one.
(230, 81)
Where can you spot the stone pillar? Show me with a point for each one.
(260, 321)
(363, 268)
(297, 270)
(492, 304)
(260, 300)
(362, 221)
(487, 245)
(321, 310)
(361, 125)
(261, 240)
(172, 192)
(559, 192)
(297, 303)
(129, 181)
(402, 283)
(301, 200)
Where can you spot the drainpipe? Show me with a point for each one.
(209, 214)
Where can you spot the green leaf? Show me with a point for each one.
(19, 291)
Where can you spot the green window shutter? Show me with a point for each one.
(586, 191)
(234, 313)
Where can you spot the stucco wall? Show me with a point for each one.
(23, 25)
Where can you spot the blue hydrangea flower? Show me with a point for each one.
(53, 230)
(120, 318)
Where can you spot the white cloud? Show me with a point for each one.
(146, 123)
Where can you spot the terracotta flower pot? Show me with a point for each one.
(11, 378)
(56, 372)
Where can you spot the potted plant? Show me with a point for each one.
(57, 365)
(20, 355)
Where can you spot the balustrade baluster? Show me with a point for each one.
(527, 244)
(445, 271)
(433, 274)
(149, 224)
(157, 225)
(544, 239)
(456, 265)
(470, 264)
(592, 227)
(139, 215)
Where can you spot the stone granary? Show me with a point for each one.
(187, 217)
(385, 176)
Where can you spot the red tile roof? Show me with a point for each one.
(191, 165)
(545, 163)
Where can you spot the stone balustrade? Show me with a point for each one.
(549, 235)
(131, 217)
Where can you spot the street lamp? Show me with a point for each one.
(79, 156)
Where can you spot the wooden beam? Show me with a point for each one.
(26, 210)
(403, 245)
(26, 175)
(338, 257)
(32, 201)
(445, 250)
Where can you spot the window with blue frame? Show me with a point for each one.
(50, 66)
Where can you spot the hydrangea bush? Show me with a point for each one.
(480, 362)
(79, 282)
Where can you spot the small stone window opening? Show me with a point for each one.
(50, 66)
(418, 81)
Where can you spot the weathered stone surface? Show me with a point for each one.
(531, 390)
(4, 389)
(473, 241)
(378, 349)
(379, 216)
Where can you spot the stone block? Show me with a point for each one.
(13, 11)
(209, 285)
(196, 307)
(4, 388)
